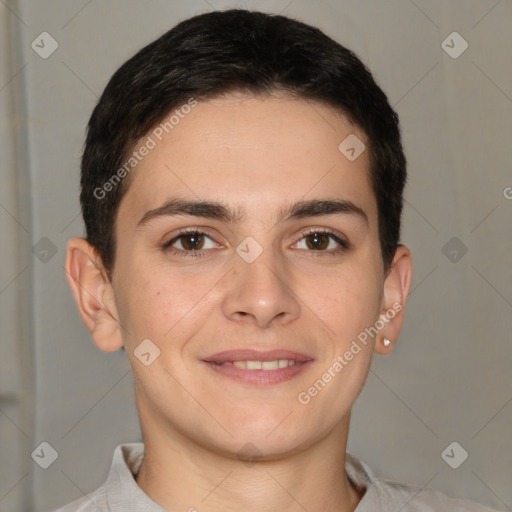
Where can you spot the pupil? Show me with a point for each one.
(193, 241)
(317, 241)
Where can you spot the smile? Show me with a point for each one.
(258, 368)
(262, 365)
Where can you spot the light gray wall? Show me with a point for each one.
(448, 378)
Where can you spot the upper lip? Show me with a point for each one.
(256, 355)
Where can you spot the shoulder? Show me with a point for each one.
(412, 498)
(119, 491)
(385, 495)
(94, 502)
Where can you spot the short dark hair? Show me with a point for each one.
(221, 52)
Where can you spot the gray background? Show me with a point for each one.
(449, 377)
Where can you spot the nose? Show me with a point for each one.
(260, 293)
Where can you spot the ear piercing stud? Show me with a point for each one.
(386, 342)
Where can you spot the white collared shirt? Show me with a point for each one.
(120, 492)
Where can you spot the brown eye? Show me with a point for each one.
(192, 241)
(317, 241)
(322, 241)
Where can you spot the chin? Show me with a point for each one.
(263, 442)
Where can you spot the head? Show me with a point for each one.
(235, 121)
(220, 52)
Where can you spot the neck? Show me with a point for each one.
(180, 474)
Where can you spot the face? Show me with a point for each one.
(266, 254)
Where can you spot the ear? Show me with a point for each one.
(396, 288)
(93, 294)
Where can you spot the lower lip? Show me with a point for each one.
(260, 377)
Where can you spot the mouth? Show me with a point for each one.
(259, 368)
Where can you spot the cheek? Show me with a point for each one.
(348, 300)
(158, 304)
(140, 300)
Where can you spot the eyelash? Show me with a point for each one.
(167, 246)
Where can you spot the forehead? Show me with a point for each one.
(249, 151)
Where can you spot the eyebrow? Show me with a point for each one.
(219, 211)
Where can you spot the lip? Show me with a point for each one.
(256, 355)
(258, 377)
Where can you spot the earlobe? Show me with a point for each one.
(396, 289)
(93, 294)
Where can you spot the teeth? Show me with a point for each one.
(264, 365)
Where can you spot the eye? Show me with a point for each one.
(190, 241)
(193, 242)
(321, 241)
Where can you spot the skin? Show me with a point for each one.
(257, 155)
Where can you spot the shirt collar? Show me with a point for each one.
(122, 491)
